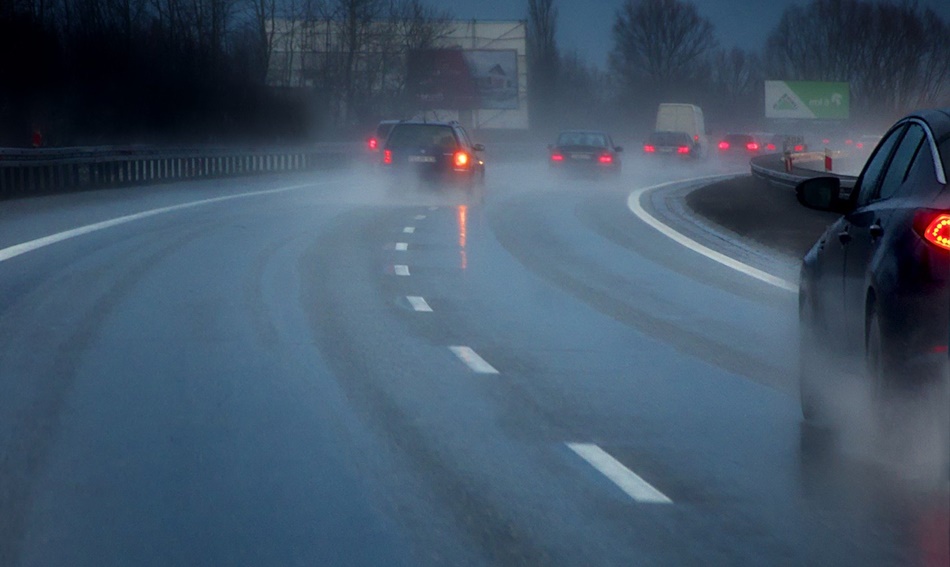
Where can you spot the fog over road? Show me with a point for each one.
(320, 370)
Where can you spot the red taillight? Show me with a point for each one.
(649, 149)
(387, 156)
(461, 159)
(799, 148)
(825, 141)
(752, 147)
(696, 137)
(848, 142)
(682, 150)
(723, 145)
(859, 145)
(606, 158)
(557, 157)
(934, 227)
(770, 147)
(373, 143)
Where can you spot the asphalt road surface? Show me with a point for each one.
(323, 370)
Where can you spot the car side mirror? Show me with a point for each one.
(822, 194)
(479, 147)
(618, 149)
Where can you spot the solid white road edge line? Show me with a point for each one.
(402, 246)
(633, 203)
(627, 480)
(419, 304)
(409, 229)
(33, 245)
(420, 217)
(472, 360)
(401, 270)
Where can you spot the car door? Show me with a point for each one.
(869, 224)
(834, 246)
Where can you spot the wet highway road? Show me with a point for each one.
(313, 370)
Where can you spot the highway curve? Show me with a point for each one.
(325, 370)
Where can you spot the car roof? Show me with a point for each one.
(938, 119)
(428, 123)
(582, 132)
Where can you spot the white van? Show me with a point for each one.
(671, 117)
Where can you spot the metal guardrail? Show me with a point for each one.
(772, 169)
(27, 172)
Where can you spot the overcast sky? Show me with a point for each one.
(585, 25)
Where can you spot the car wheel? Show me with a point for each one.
(886, 397)
(810, 369)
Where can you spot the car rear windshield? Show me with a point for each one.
(739, 139)
(582, 139)
(422, 136)
(669, 139)
(384, 129)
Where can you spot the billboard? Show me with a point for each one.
(464, 79)
(807, 100)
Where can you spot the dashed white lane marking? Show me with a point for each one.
(32, 245)
(627, 480)
(409, 229)
(472, 360)
(433, 208)
(419, 304)
(401, 270)
(402, 246)
(634, 204)
(420, 217)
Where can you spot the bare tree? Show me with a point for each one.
(665, 42)
(895, 56)
(543, 58)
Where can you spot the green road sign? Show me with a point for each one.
(807, 99)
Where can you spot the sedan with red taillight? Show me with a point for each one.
(585, 151)
(874, 293)
(672, 144)
(740, 146)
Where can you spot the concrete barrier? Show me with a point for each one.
(776, 171)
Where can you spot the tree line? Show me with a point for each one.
(186, 71)
(896, 58)
(179, 71)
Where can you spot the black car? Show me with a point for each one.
(781, 143)
(585, 151)
(674, 144)
(741, 146)
(438, 152)
(874, 296)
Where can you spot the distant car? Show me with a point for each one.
(866, 143)
(740, 146)
(781, 143)
(874, 294)
(585, 151)
(674, 144)
(436, 152)
(374, 142)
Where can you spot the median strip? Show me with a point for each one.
(636, 207)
